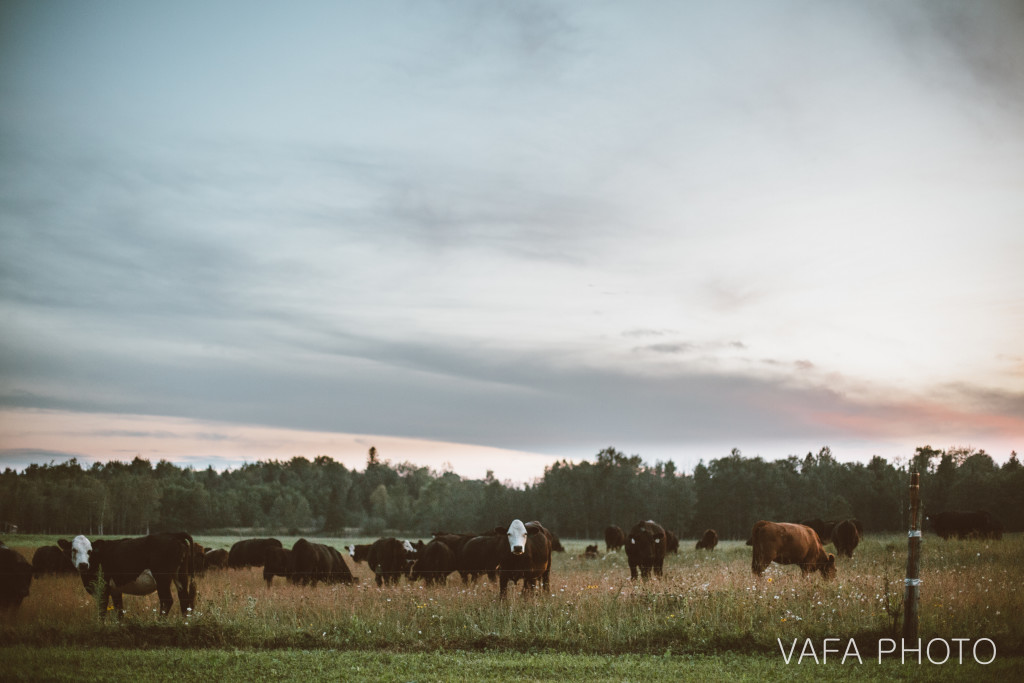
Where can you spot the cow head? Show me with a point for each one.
(80, 550)
(517, 533)
(828, 567)
(644, 541)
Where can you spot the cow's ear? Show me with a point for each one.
(64, 545)
(532, 530)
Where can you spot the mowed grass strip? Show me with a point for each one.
(707, 603)
(21, 663)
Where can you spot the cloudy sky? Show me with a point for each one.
(499, 234)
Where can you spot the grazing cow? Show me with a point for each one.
(526, 556)
(389, 559)
(789, 544)
(590, 552)
(137, 566)
(977, 524)
(708, 541)
(480, 555)
(15, 579)
(216, 559)
(338, 571)
(311, 563)
(846, 536)
(645, 549)
(671, 542)
(434, 563)
(50, 559)
(278, 563)
(614, 538)
(251, 552)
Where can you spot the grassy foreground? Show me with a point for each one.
(225, 666)
(707, 618)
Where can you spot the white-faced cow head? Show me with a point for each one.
(352, 550)
(81, 548)
(517, 537)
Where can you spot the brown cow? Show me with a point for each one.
(789, 544)
(846, 536)
(590, 552)
(708, 541)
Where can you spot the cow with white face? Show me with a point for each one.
(77, 551)
(527, 556)
(137, 566)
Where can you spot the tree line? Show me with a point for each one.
(575, 499)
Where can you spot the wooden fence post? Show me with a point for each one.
(912, 594)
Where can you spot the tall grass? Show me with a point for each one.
(706, 603)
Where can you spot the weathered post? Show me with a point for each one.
(913, 582)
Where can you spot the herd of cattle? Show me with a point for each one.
(110, 569)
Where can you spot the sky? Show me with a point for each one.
(496, 235)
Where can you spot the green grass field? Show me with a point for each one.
(707, 618)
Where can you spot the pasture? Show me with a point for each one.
(708, 611)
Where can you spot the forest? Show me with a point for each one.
(575, 499)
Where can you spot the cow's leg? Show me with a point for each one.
(118, 599)
(632, 571)
(546, 580)
(163, 591)
(502, 585)
(185, 598)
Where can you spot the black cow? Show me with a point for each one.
(526, 556)
(15, 579)
(359, 552)
(614, 538)
(846, 536)
(389, 559)
(338, 571)
(315, 562)
(976, 524)
(708, 541)
(137, 566)
(252, 552)
(434, 563)
(216, 559)
(50, 559)
(480, 555)
(645, 549)
(671, 542)
(278, 563)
